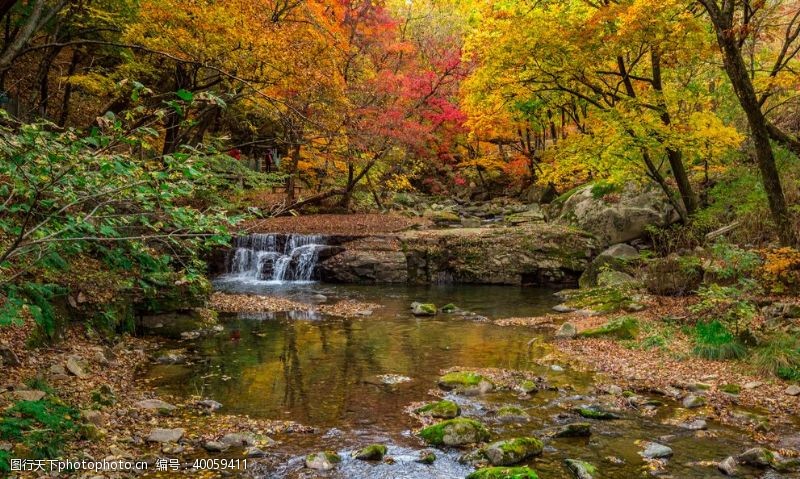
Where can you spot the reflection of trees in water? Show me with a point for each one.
(294, 390)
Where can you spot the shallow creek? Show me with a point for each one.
(325, 373)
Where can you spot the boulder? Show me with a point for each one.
(165, 435)
(580, 469)
(692, 401)
(756, 457)
(510, 414)
(209, 405)
(373, 452)
(322, 461)
(625, 218)
(512, 451)
(654, 450)
(617, 257)
(613, 278)
(28, 395)
(214, 446)
(368, 260)
(728, 466)
(596, 412)
(455, 432)
(441, 409)
(566, 331)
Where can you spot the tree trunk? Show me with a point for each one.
(674, 156)
(759, 131)
(63, 115)
(291, 179)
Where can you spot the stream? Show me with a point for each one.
(325, 372)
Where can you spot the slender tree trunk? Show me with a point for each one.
(759, 130)
(674, 155)
(294, 157)
(63, 115)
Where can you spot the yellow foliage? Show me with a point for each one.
(780, 272)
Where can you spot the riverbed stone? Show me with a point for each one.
(512, 414)
(575, 429)
(693, 401)
(28, 395)
(77, 367)
(512, 451)
(625, 327)
(793, 390)
(596, 412)
(580, 469)
(465, 382)
(694, 425)
(455, 432)
(728, 466)
(253, 451)
(567, 331)
(156, 404)
(162, 435)
(756, 457)
(504, 473)
(423, 309)
(654, 450)
(373, 452)
(322, 461)
(209, 405)
(238, 439)
(442, 409)
(427, 457)
(214, 446)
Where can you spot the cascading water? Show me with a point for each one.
(274, 257)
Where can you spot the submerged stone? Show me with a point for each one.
(596, 412)
(580, 469)
(465, 381)
(504, 473)
(756, 457)
(654, 450)
(373, 452)
(576, 429)
(692, 402)
(455, 432)
(449, 308)
(426, 457)
(322, 461)
(423, 309)
(512, 451)
(441, 409)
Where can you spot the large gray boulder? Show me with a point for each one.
(623, 219)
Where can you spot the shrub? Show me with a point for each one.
(714, 341)
(41, 427)
(780, 272)
(779, 354)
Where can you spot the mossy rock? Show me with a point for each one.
(512, 451)
(511, 414)
(576, 429)
(441, 409)
(427, 457)
(731, 388)
(596, 412)
(423, 309)
(504, 473)
(603, 300)
(580, 469)
(373, 452)
(528, 387)
(449, 308)
(465, 381)
(322, 461)
(455, 432)
(626, 327)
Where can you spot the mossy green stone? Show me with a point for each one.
(576, 429)
(512, 451)
(580, 469)
(373, 452)
(442, 409)
(626, 327)
(463, 380)
(593, 412)
(449, 308)
(731, 388)
(504, 473)
(455, 432)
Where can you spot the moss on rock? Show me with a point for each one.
(595, 412)
(504, 473)
(441, 409)
(465, 381)
(626, 327)
(373, 452)
(512, 451)
(455, 432)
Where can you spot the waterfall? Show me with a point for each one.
(275, 257)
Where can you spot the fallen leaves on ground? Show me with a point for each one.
(247, 303)
(333, 224)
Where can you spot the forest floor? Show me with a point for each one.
(660, 360)
(364, 224)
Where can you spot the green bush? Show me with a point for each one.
(41, 427)
(778, 354)
(714, 341)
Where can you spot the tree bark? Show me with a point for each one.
(38, 18)
(292, 178)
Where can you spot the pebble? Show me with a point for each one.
(165, 435)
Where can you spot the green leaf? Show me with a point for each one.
(185, 95)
